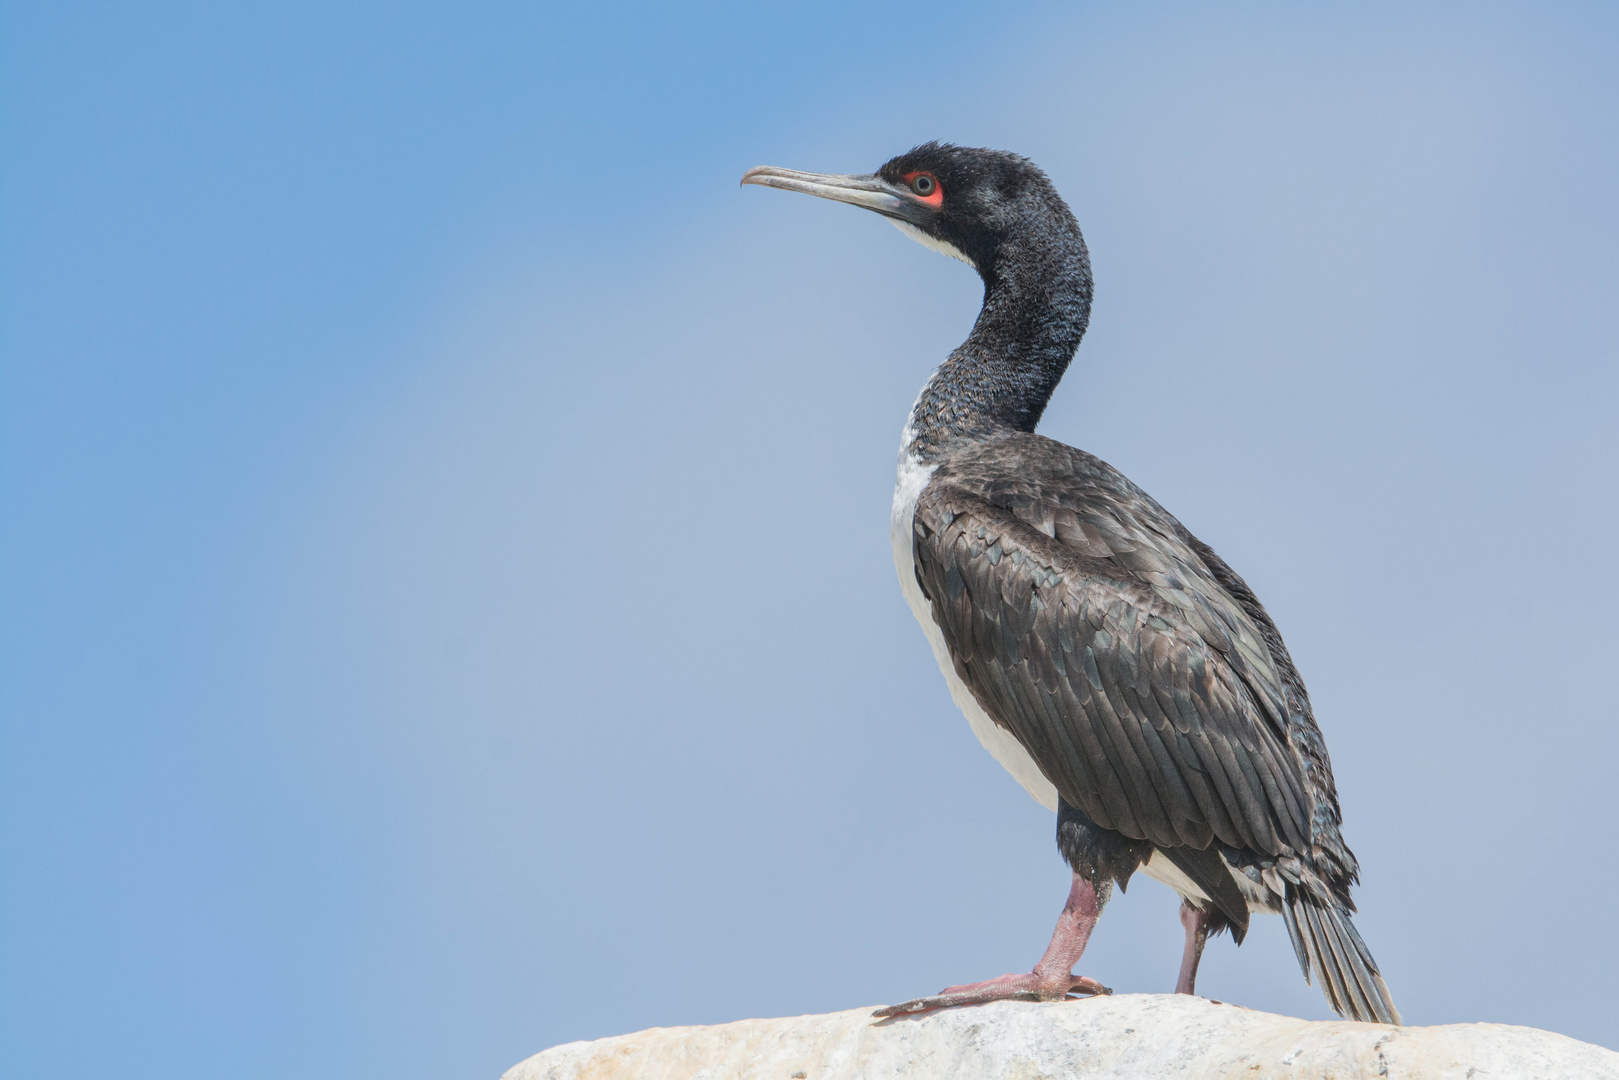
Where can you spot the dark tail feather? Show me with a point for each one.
(1325, 939)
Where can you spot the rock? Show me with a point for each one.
(1135, 1036)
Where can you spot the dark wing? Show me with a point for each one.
(1087, 627)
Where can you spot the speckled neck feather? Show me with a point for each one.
(1037, 302)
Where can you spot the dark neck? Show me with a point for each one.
(1037, 300)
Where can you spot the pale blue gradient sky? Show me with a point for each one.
(447, 606)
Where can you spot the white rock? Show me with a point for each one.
(1134, 1036)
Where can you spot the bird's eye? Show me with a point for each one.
(924, 185)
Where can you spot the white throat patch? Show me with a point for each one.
(931, 241)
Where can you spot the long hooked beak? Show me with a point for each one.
(871, 192)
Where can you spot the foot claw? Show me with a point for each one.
(1089, 987)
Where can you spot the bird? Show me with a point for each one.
(1111, 661)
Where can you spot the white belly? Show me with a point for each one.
(913, 477)
(1159, 868)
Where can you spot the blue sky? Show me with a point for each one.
(447, 608)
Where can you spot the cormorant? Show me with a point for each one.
(1109, 659)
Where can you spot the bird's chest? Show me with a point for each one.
(1003, 746)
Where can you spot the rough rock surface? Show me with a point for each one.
(1134, 1036)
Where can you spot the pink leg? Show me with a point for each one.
(1052, 978)
(1197, 933)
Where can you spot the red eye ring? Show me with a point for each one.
(925, 188)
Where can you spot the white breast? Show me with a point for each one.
(913, 477)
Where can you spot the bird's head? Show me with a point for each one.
(965, 202)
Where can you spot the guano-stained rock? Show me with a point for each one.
(1126, 1037)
